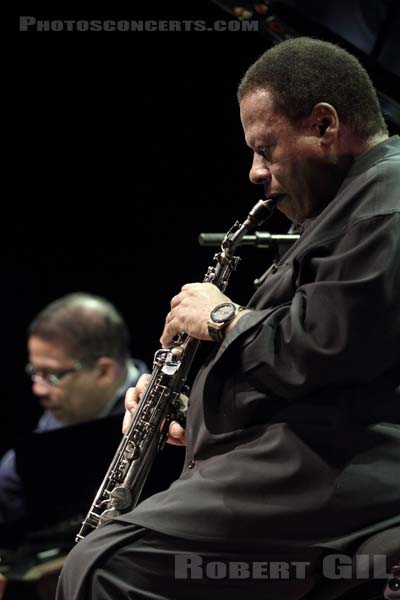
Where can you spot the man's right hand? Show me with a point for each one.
(176, 433)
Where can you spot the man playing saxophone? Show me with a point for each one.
(293, 428)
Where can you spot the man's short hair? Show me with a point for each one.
(85, 325)
(302, 71)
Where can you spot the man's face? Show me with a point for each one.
(287, 159)
(78, 396)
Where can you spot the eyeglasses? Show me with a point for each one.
(50, 377)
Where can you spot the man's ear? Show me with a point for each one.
(323, 126)
(108, 370)
(325, 122)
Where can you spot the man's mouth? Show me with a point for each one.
(276, 197)
(48, 405)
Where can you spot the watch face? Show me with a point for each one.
(223, 312)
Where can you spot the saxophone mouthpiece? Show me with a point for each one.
(273, 200)
(262, 210)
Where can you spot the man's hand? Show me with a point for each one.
(190, 311)
(176, 433)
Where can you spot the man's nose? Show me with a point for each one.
(259, 172)
(40, 387)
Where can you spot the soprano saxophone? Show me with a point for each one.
(160, 404)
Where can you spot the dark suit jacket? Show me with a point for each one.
(294, 421)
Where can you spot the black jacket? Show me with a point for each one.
(294, 422)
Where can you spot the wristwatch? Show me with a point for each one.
(220, 317)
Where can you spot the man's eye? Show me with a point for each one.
(264, 151)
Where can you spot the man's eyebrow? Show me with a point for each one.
(263, 145)
(254, 144)
(266, 139)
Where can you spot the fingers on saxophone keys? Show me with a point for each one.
(131, 399)
(166, 336)
(142, 384)
(126, 422)
(176, 434)
(130, 406)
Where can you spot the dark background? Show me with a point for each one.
(127, 146)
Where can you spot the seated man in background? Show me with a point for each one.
(80, 365)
